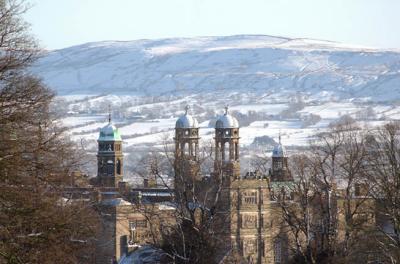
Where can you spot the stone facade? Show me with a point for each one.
(126, 226)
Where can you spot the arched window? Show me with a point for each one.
(226, 151)
(194, 152)
(110, 147)
(186, 148)
(118, 167)
(110, 167)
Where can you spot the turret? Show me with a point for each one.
(280, 171)
(227, 146)
(109, 156)
(186, 139)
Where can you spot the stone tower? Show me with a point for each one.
(227, 162)
(280, 171)
(187, 168)
(226, 170)
(109, 156)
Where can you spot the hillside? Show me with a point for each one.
(273, 85)
(236, 63)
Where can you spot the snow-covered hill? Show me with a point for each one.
(244, 63)
(274, 86)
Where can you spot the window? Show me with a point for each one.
(249, 246)
(110, 168)
(278, 251)
(102, 147)
(277, 165)
(110, 147)
(249, 221)
(137, 223)
(249, 197)
(118, 167)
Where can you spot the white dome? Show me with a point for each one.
(226, 121)
(186, 121)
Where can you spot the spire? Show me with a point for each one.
(280, 137)
(226, 109)
(109, 114)
(187, 108)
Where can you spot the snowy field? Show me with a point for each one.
(154, 131)
(146, 127)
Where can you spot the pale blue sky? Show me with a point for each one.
(62, 23)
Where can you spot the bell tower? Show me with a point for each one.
(280, 171)
(226, 170)
(186, 166)
(227, 147)
(109, 156)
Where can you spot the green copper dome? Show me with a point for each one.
(109, 133)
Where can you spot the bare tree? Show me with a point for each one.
(297, 213)
(36, 224)
(192, 234)
(384, 175)
(324, 217)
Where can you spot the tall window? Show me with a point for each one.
(277, 165)
(110, 168)
(277, 251)
(118, 167)
(226, 151)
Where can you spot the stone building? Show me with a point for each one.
(257, 231)
(244, 211)
(125, 213)
(248, 213)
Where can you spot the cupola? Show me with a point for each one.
(226, 120)
(186, 120)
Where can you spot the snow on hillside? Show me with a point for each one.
(273, 85)
(235, 63)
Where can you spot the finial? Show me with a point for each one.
(279, 137)
(226, 109)
(187, 107)
(109, 114)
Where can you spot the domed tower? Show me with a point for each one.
(280, 171)
(227, 146)
(187, 147)
(109, 156)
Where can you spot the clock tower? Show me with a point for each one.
(109, 156)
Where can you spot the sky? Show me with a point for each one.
(63, 23)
